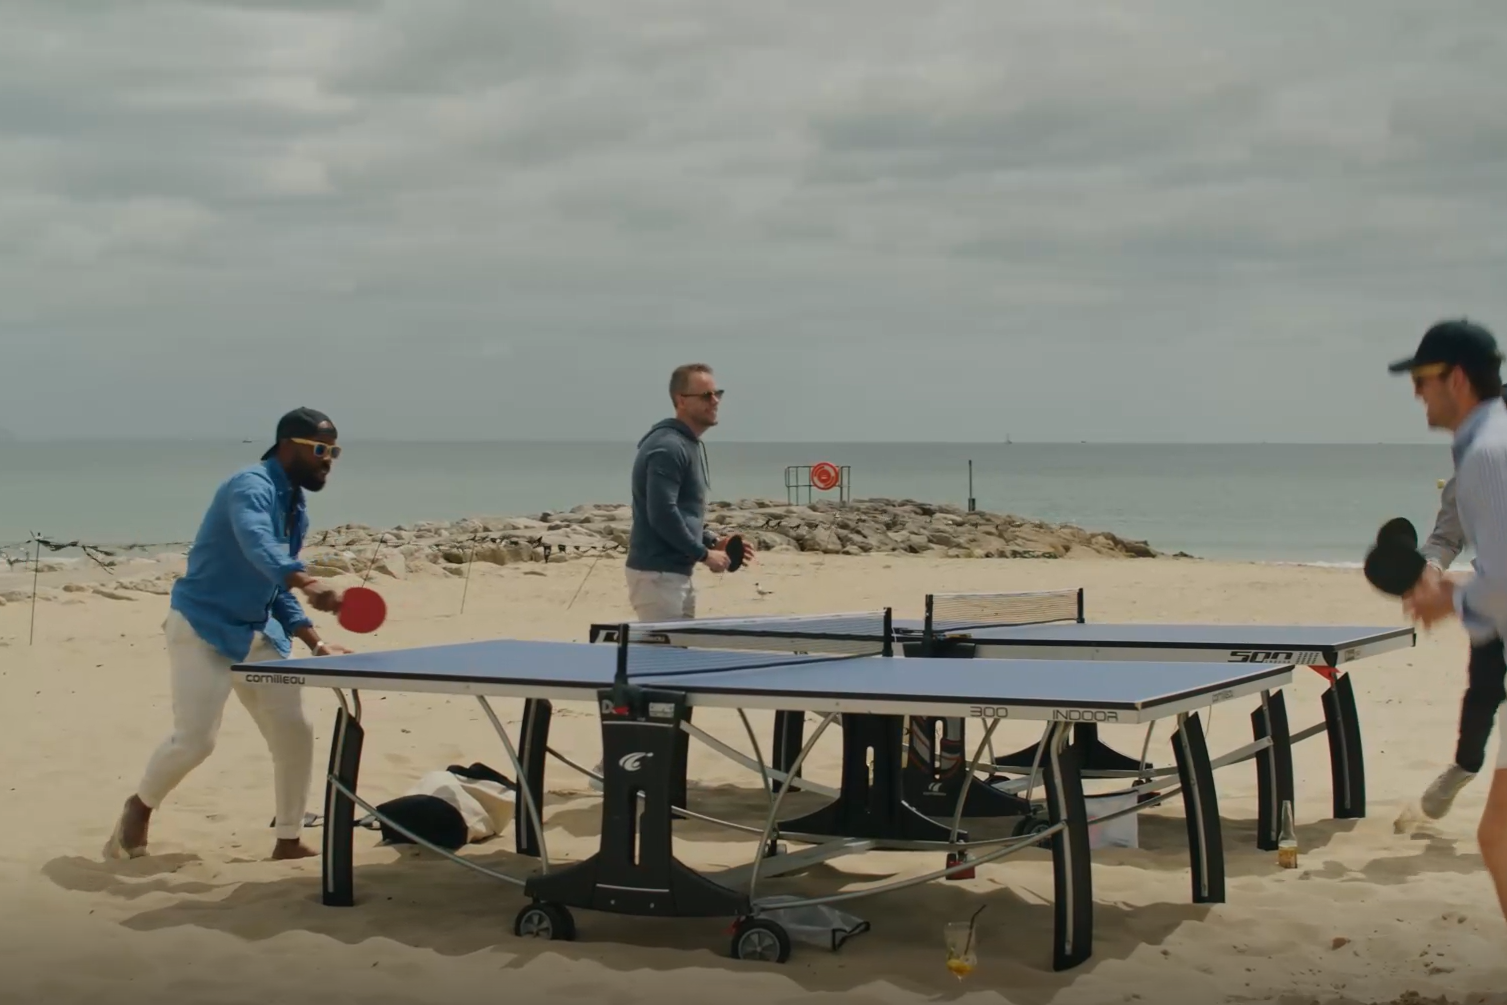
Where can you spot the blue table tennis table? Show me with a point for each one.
(644, 693)
(1051, 625)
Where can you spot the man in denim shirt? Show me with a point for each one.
(235, 604)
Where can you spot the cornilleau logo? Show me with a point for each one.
(272, 678)
(634, 761)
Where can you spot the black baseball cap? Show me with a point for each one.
(1453, 343)
(301, 423)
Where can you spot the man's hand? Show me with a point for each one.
(1432, 599)
(322, 596)
(717, 560)
(748, 548)
(333, 648)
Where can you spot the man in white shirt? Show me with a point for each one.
(1457, 375)
(1487, 687)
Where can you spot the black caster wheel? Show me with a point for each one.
(545, 921)
(760, 939)
(1034, 824)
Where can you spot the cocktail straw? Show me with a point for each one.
(969, 944)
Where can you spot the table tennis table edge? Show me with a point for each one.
(986, 707)
(1353, 648)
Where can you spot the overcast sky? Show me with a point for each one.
(878, 219)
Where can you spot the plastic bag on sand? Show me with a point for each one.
(815, 924)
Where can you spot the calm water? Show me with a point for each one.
(1278, 502)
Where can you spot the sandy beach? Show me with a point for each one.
(1371, 915)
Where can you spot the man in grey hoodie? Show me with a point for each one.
(669, 537)
(1486, 688)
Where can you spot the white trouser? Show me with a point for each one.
(661, 596)
(201, 683)
(657, 596)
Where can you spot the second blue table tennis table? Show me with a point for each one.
(644, 692)
(1051, 625)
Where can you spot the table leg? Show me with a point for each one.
(337, 860)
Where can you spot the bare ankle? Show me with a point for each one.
(291, 848)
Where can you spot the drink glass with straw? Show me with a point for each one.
(962, 957)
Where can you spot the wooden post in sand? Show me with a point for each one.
(470, 557)
(36, 572)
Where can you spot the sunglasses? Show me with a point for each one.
(320, 449)
(708, 395)
(1422, 373)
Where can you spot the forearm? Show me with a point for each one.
(310, 637)
(671, 526)
(1440, 551)
(290, 613)
(299, 579)
(662, 492)
(1447, 539)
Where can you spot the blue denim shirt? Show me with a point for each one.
(246, 548)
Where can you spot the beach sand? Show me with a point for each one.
(1370, 914)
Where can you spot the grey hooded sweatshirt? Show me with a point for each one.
(670, 482)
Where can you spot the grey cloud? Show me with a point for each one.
(975, 212)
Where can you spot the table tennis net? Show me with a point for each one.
(960, 612)
(653, 649)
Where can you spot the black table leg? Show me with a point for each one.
(1346, 757)
(1072, 871)
(337, 865)
(1274, 775)
(1201, 807)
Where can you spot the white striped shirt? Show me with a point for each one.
(1480, 452)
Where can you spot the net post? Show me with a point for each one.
(619, 689)
(620, 675)
(1080, 605)
(889, 631)
(927, 623)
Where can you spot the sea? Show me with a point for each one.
(1285, 503)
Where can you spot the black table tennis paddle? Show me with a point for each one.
(734, 552)
(1393, 566)
(1399, 529)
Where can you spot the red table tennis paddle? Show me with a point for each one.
(735, 552)
(362, 610)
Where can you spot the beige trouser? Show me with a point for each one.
(661, 596)
(201, 683)
(657, 596)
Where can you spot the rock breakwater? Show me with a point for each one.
(857, 527)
